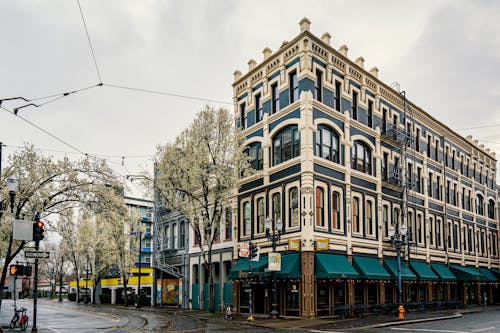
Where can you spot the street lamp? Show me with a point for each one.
(12, 186)
(398, 240)
(274, 237)
(138, 302)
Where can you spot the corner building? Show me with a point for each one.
(324, 135)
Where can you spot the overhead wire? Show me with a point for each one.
(165, 93)
(90, 42)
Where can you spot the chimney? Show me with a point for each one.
(343, 50)
(360, 61)
(237, 75)
(326, 38)
(251, 64)
(267, 53)
(374, 72)
(305, 24)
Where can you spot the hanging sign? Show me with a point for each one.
(274, 262)
(244, 250)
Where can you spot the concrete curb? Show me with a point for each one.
(405, 322)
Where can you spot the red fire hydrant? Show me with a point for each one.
(401, 312)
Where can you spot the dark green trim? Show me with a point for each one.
(370, 268)
(290, 266)
(467, 273)
(333, 266)
(443, 272)
(488, 274)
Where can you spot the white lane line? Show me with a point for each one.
(320, 331)
(425, 330)
(483, 329)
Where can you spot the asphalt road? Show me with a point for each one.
(483, 322)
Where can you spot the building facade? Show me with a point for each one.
(342, 161)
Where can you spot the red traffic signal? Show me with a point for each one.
(16, 270)
(38, 230)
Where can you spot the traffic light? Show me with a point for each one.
(16, 270)
(38, 229)
(254, 252)
(27, 270)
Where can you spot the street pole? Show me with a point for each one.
(61, 280)
(250, 301)
(34, 329)
(138, 304)
(274, 304)
(87, 283)
(400, 287)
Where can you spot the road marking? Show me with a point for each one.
(425, 330)
(320, 331)
(484, 329)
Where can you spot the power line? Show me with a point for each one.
(90, 43)
(166, 93)
(46, 132)
(64, 94)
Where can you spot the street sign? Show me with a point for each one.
(244, 250)
(274, 263)
(37, 254)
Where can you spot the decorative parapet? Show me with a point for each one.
(319, 51)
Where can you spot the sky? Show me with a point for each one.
(444, 53)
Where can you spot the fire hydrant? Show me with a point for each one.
(401, 312)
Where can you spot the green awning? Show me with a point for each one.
(242, 268)
(370, 268)
(496, 272)
(467, 273)
(333, 266)
(423, 271)
(488, 274)
(443, 272)
(392, 267)
(290, 267)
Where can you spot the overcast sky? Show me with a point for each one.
(444, 54)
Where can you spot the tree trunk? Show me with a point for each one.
(125, 294)
(211, 287)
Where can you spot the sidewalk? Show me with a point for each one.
(317, 325)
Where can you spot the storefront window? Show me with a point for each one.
(323, 301)
(292, 300)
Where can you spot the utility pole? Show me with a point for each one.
(61, 280)
(138, 304)
(34, 329)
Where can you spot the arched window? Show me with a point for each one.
(293, 210)
(182, 234)
(336, 211)
(276, 199)
(320, 207)
(356, 220)
(174, 236)
(254, 152)
(479, 204)
(286, 144)
(261, 212)
(361, 157)
(229, 223)
(246, 219)
(327, 144)
(491, 209)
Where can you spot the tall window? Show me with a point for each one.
(286, 145)
(420, 230)
(254, 152)
(356, 220)
(318, 86)
(491, 209)
(384, 121)
(370, 114)
(446, 156)
(327, 144)
(453, 160)
(258, 109)
(275, 98)
(436, 151)
(276, 199)
(182, 234)
(429, 185)
(370, 222)
(431, 230)
(320, 207)
(479, 204)
(229, 223)
(174, 236)
(385, 168)
(336, 98)
(385, 219)
(411, 228)
(438, 188)
(354, 105)
(418, 181)
(455, 236)
(261, 213)
(247, 213)
(361, 157)
(336, 210)
(428, 146)
(470, 240)
(439, 232)
(243, 116)
(294, 87)
(417, 140)
(293, 210)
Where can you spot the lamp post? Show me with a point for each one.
(138, 303)
(61, 280)
(398, 240)
(12, 186)
(274, 237)
(87, 283)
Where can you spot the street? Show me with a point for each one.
(487, 322)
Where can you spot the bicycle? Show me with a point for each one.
(20, 319)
